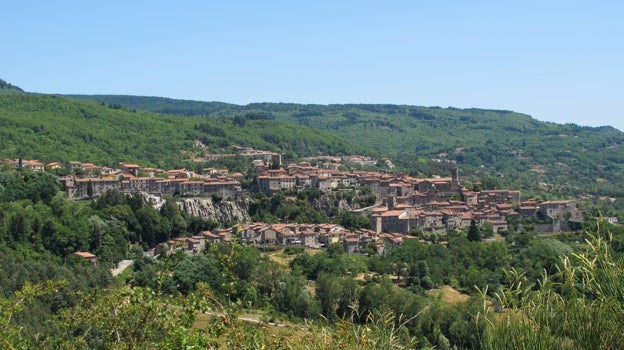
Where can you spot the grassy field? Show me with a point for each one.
(450, 295)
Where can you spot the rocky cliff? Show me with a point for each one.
(223, 211)
(327, 204)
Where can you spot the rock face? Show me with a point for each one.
(325, 203)
(343, 205)
(207, 209)
(155, 201)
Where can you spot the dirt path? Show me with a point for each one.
(121, 267)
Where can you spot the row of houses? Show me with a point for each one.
(301, 176)
(493, 207)
(333, 162)
(313, 236)
(436, 216)
(305, 235)
(33, 165)
(196, 243)
(131, 178)
(257, 156)
(80, 188)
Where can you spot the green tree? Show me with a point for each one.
(335, 250)
(474, 235)
(336, 295)
(90, 189)
(544, 254)
(292, 298)
(197, 268)
(328, 292)
(11, 334)
(153, 229)
(109, 199)
(174, 215)
(265, 277)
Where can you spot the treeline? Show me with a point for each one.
(161, 104)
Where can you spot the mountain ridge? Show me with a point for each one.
(200, 107)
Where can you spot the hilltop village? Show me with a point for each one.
(402, 205)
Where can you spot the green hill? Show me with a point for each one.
(512, 148)
(48, 127)
(8, 88)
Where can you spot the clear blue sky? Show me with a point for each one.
(560, 61)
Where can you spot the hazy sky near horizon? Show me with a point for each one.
(559, 61)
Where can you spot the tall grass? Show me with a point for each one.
(579, 307)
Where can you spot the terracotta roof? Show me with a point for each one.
(85, 255)
(130, 165)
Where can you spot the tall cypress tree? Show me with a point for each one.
(90, 189)
(473, 232)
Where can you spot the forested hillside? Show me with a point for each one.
(56, 128)
(541, 158)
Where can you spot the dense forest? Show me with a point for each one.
(466, 289)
